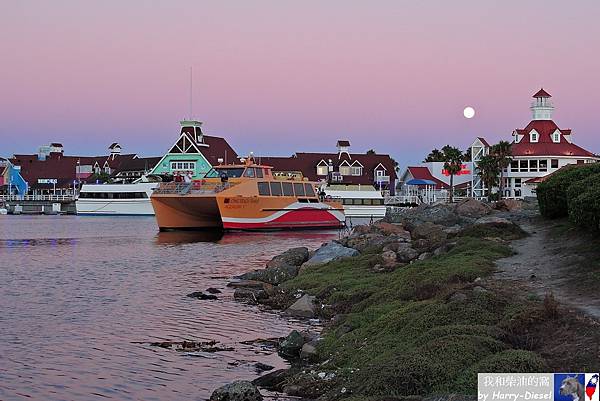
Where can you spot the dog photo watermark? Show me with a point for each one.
(538, 386)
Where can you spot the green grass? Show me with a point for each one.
(400, 334)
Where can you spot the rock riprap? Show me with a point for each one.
(237, 391)
(330, 251)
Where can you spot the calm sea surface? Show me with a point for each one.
(78, 293)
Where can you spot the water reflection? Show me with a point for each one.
(78, 293)
(187, 237)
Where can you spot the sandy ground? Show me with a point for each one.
(551, 262)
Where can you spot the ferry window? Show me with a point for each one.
(554, 163)
(543, 165)
(287, 189)
(357, 201)
(259, 173)
(299, 189)
(275, 188)
(378, 201)
(263, 189)
(310, 191)
(231, 172)
(347, 201)
(313, 200)
(303, 200)
(249, 172)
(367, 201)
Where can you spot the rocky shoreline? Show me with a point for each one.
(408, 238)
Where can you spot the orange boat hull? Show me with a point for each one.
(174, 212)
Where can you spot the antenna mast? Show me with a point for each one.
(191, 85)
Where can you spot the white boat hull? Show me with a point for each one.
(116, 199)
(142, 207)
(365, 211)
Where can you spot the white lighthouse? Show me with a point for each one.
(541, 107)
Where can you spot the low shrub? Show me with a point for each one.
(584, 202)
(553, 195)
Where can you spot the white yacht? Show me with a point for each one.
(358, 200)
(116, 199)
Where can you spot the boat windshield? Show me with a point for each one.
(231, 172)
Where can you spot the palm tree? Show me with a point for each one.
(503, 154)
(453, 159)
(434, 156)
(488, 170)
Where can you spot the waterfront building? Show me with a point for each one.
(538, 150)
(194, 152)
(342, 168)
(430, 182)
(51, 172)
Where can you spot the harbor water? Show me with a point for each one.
(82, 298)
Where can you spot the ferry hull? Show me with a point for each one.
(190, 213)
(302, 218)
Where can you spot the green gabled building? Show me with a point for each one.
(195, 152)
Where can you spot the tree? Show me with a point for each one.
(453, 159)
(488, 170)
(371, 152)
(467, 155)
(503, 155)
(434, 156)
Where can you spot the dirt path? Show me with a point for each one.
(551, 261)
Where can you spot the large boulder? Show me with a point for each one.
(428, 236)
(368, 242)
(330, 251)
(291, 257)
(473, 208)
(273, 275)
(273, 381)
(386, 228)
(237, 391)
(291, 346)
(494, 221)
(439, 214)
(303, 307)
(508, 205)
(405, 253)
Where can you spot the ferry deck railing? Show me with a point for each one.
(58, 198)
(194, 187)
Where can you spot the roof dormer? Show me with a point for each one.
(556, 136)
(534, 136)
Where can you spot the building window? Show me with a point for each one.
(533, 166)
(518, 183)
(322, 170)
(556, 137)
(533, 136)
(543, 166)
(181, 166)
(345, 170)
(356, 170)
(523, 166)
(554, 163)
(380, 173)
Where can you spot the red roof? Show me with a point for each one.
(423, 173)
(542, 93)
(218, 148)
(545, 146)
(306, 163)
(60, 167)
(483, 141)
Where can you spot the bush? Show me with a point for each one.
(552, 194)
(584, 202)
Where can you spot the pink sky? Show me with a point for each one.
(276, 77)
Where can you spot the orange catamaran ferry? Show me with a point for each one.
(243, 197)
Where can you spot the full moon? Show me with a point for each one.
(469, 112)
